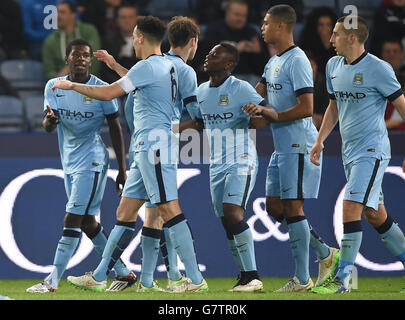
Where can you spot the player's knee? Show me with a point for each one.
(371, 216)
(232, 213)
(89, 225)
(72, 220)
(274, 209)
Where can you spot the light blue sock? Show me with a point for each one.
(150, 243)
(99, 243)
(352, 235)
(316, 243)
(393, 238)
(119, 239)
(169, 255)
(298, 230)
(234, 250)
(64, 251)
(183, 241)
(244, 244)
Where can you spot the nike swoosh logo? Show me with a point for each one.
(333, 77)
(233, 195)
(60, 95)
(353, 192)
(77, 205)
(285, 190)
(199, 102)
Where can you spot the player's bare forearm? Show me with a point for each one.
(267, 112)
(119, 69)
(329, 121)
(117, 140)
(261, 89)
(399, 104)
(302, 110)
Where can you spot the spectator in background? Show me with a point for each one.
(389, 20)
(33, 16)
(54, 47)
(321, 96)
(119, 43)
(392, 51)
(316, 34)
(11, 30)
(234, 27)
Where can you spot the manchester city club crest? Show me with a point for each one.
(87, 100)
(223, 100)
(358, 78)
(277, 71)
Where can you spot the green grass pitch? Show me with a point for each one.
(368, 289)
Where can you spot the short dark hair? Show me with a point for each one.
(361, 31)
(77, 42)
(180, 30)
(393, 40)
(152, 27)
(70, 4)
(232, 50)
(284, 13)
(227, 3)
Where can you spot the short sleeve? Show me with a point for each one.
(329, 86)
(301, 74)
(248, 94)
(387, 84)
(110, 109)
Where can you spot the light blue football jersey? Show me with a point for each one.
(221, 111)
(80, 145)
(187, 94)
(156, 85)
(361, 90)
(286, 76)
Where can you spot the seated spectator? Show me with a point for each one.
(392, 51)
(33, 16)
(119, 43)
(389, 20)
(234, 27)
(321, 96)
(316, 33)
(54, 47)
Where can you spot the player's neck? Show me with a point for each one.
(79, 77)
(183, 53)
(354, 53)
(150, 51)
(216, 79)
(284, 44)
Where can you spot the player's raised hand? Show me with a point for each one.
(63, 84)
(51, 115)
(120, 181)
(104, 56)
(315, 153)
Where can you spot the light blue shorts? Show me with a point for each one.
(85, 191)
(151, 180)
(293, 176)
(233, 185)
(364, 180)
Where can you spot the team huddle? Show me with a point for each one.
(159, 87)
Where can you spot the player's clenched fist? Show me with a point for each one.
(51, 117)
(63, 84)
(315, 153)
